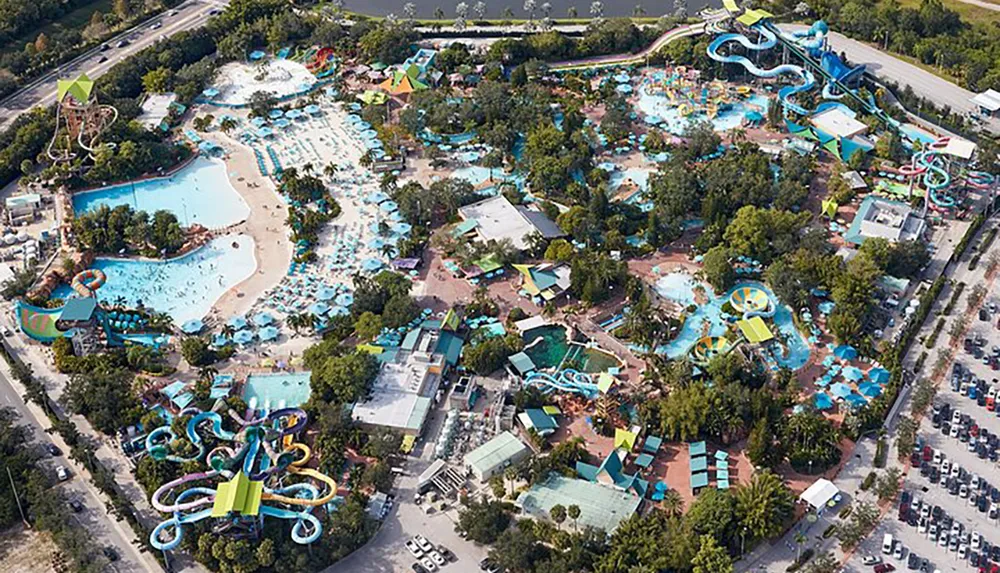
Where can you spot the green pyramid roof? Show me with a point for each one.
(80, 88)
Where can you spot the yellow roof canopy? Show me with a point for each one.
(624, 439)
(80, 88)
(238, 495)
(755, 330)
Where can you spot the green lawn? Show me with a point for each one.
(77, 19)
(968, 12)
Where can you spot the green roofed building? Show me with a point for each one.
(80, 88)
(238, 495)
(495, 455)
(755, 330)
(600, 506)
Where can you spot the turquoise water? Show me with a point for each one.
(679, 287)
(185, 287)
(548, 352)
(590, 360)
(477, 175)
(281, 390)
(659, 105)
(199, 193)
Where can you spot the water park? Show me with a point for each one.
(247, 478)
(671, 98)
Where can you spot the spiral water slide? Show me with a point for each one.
(567, 380)
(86, 282)
(935, 177)
(752, 301)
(769, 40)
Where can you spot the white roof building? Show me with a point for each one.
(403, 393)
(838, 123)
(496, 219)
(988, 102)
(819, 494)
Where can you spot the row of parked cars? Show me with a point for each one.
(948, 533)
(965, 383)
(959, 482)
(964, 428)
(429, 557)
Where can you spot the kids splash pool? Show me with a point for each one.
(281, 390)
(730, 116)
(199, 193)
(185, 287)
(707, 319)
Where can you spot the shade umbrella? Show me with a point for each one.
(840, 390)
(660, 486)
(268, 333)
(845, 352)
(339, 311)
(345, 299)
(192, 326)
(402, 228)
(210, 92)
(879, 375)
(388, 206)
(371, 264)
(326, 293)
(853, 373)
(822, 401)
(856, 400)
(237, 322)
(243, 337)
(318, 308)
(870, 389)
(263, 319)
(275, 113)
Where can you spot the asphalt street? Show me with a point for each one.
(42, 91)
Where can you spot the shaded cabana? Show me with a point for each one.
(192, 326)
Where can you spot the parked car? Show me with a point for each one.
(75, 505)
(53, 450)
(61, 473)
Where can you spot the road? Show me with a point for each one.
(94, 518)
(42, 91)
(885, 65)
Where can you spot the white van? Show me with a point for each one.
(887, 544)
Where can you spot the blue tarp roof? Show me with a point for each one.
(79, 309)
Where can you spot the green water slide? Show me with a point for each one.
(39, 323)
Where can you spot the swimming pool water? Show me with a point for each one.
(549, 352)
(658, 104)
(199, 193)
(185, 287)
(679, 287)
(281, 390)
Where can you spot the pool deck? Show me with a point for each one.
(266, 224)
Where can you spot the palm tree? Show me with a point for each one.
(387, 250)
(764, 504)
(571, 12)
(672, 503)
(388, 182)
(207, 373)
(228, 124)
(573, 512)
(462, 10)
(510, 475)
(331, 169)
(546, 9)
(507, 13)
(800, 540)
(438, 13)
(308, 168)
(459, 23)
(638, 11)
(480, 10)
(296, 321)
(120, 302)
(529, 7)
(597, 10)
(410, 10)
(228, 331)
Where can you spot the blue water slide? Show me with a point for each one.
(566, 380)
(935, 178)
(806, 78)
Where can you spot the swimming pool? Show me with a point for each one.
(658, 104)
(546, 345)
(281, 390)
(707, 320)
(185, 287)
(199, 193)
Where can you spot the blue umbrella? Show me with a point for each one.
(389, 206)
(220, 340)
(237, 322)
(822, 401)
(879, 375)
(243, 337)
(840, 390)
(870, 389)
(856, 400)
(402, 228)
(312, 108)
(853, 373)
(326, 293)
(376, 243)
(339, 311)
(268, 333)
(845, 352)
(345, 299)
(192, 326)
(282, 122)
(371, 265)
(263, 319)
(319, 308)
(275, 113)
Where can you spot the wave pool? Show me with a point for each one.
(185, 287)
(199, 193)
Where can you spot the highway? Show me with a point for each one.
(42, 91)
(104, 529)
